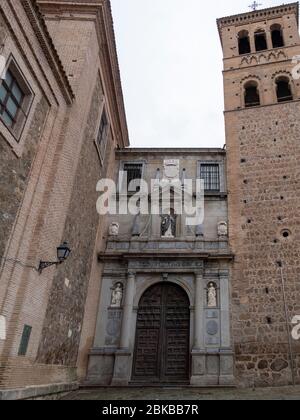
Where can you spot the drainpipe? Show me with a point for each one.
(280, 265)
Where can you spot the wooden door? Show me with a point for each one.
(162, 348)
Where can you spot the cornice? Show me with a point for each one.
(101, 11)
(258, 16)
(37, 22)
(170, 151)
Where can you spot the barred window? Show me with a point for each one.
(134, 173)
(210, 173)
(11, 99)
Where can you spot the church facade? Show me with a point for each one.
(144, 299)
(171, 323)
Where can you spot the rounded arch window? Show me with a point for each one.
(260, 39)
(277, 36)
(244, 42)
(283, 89)
(251, 93)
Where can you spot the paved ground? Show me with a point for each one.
(181, 394)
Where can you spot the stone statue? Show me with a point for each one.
(114, 229)
(117, 296)
(222, 229)
(168, 226)
(212, 296)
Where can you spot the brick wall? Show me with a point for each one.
(64, 317)
(60, 161)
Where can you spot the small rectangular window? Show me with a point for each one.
(103, 136)
(25, 340)
(134, 175)
(210, 173)
(11, 99)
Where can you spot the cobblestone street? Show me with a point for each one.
(181, 394)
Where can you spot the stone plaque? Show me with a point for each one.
(212, 341)
(113, 327)
(212, 328)
(167, 264)
(212, 314)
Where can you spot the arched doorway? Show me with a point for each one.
(162, 347)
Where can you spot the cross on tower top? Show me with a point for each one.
(255, 5)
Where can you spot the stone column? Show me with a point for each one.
(127, 312)
(225, 311)
(269, 39)
(226, 355)
(199, 312)
(198, 353)
(252, 42)
(123, 356)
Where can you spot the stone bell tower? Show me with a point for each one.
(262, 118)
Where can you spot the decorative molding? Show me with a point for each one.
(258, 16)
(282, 73)
(100, 12)
(250, 77)
(262, 58)
(189, 264)
(41, 32)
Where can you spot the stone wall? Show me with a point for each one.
(264, 183)
(14, 173)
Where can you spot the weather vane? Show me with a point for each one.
(255, 5)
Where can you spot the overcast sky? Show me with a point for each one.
(171, 68)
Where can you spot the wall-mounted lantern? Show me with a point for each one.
(63, 253)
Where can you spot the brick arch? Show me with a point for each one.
(247, 80)
(284, 73)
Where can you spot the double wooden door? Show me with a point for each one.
(162, 347)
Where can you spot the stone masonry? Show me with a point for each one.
(263, 182)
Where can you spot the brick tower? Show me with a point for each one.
(262, 117)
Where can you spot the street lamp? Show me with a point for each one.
(63, 253)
